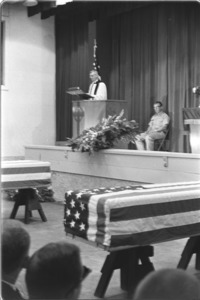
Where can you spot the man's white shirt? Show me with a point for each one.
(101, 93)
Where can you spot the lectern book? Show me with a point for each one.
(76, 91)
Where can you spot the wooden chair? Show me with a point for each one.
(162, 144)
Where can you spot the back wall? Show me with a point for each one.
(28, 96)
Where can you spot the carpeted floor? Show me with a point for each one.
(166, 255)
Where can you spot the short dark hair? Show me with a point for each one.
(158, 102)
(15, 245)
(52, 268)
(168, 284)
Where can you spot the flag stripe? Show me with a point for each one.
(145, 197)
(100, 221)
(154, 223)
(25, 177)
(155, 236)
(25, 184)
(141, 211)
(158, 185)
(23, 163)
(25, 170)
(163, 190)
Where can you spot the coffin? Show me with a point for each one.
(23, 174)
(133, 215)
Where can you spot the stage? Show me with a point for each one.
(113, 167)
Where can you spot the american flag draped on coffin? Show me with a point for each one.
(134, 215)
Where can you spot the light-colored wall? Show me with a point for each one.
(28, 97)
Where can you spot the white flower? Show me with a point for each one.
(104, 134)
(196, 90)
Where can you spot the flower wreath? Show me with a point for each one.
(105, 134)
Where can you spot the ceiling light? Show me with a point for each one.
(30, 2)
(62, 2)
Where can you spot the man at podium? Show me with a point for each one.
(97, 88)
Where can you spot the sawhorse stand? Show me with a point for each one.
(192, 247)
(131, 270)
(30, 199)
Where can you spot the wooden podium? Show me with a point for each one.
(88, 113)
(194, 125)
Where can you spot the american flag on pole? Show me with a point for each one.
(96, 65)
(134, 215)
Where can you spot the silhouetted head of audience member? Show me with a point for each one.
(55, 271)
(168, 284)
(15, 247)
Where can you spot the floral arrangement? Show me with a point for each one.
(196, 90)
(105, 134)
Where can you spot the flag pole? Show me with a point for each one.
(95, 63)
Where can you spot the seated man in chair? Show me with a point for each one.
(156, 130)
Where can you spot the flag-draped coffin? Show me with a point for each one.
(21, 174)
(133, 215)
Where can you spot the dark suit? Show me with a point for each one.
(9, 293)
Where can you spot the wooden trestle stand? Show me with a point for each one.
(134, 265)
(192, 247)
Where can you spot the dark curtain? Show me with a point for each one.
(153, 53)
(183, 64)
(71, 68)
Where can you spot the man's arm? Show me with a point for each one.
(149, 129)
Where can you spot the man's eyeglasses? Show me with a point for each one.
(86, 272)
